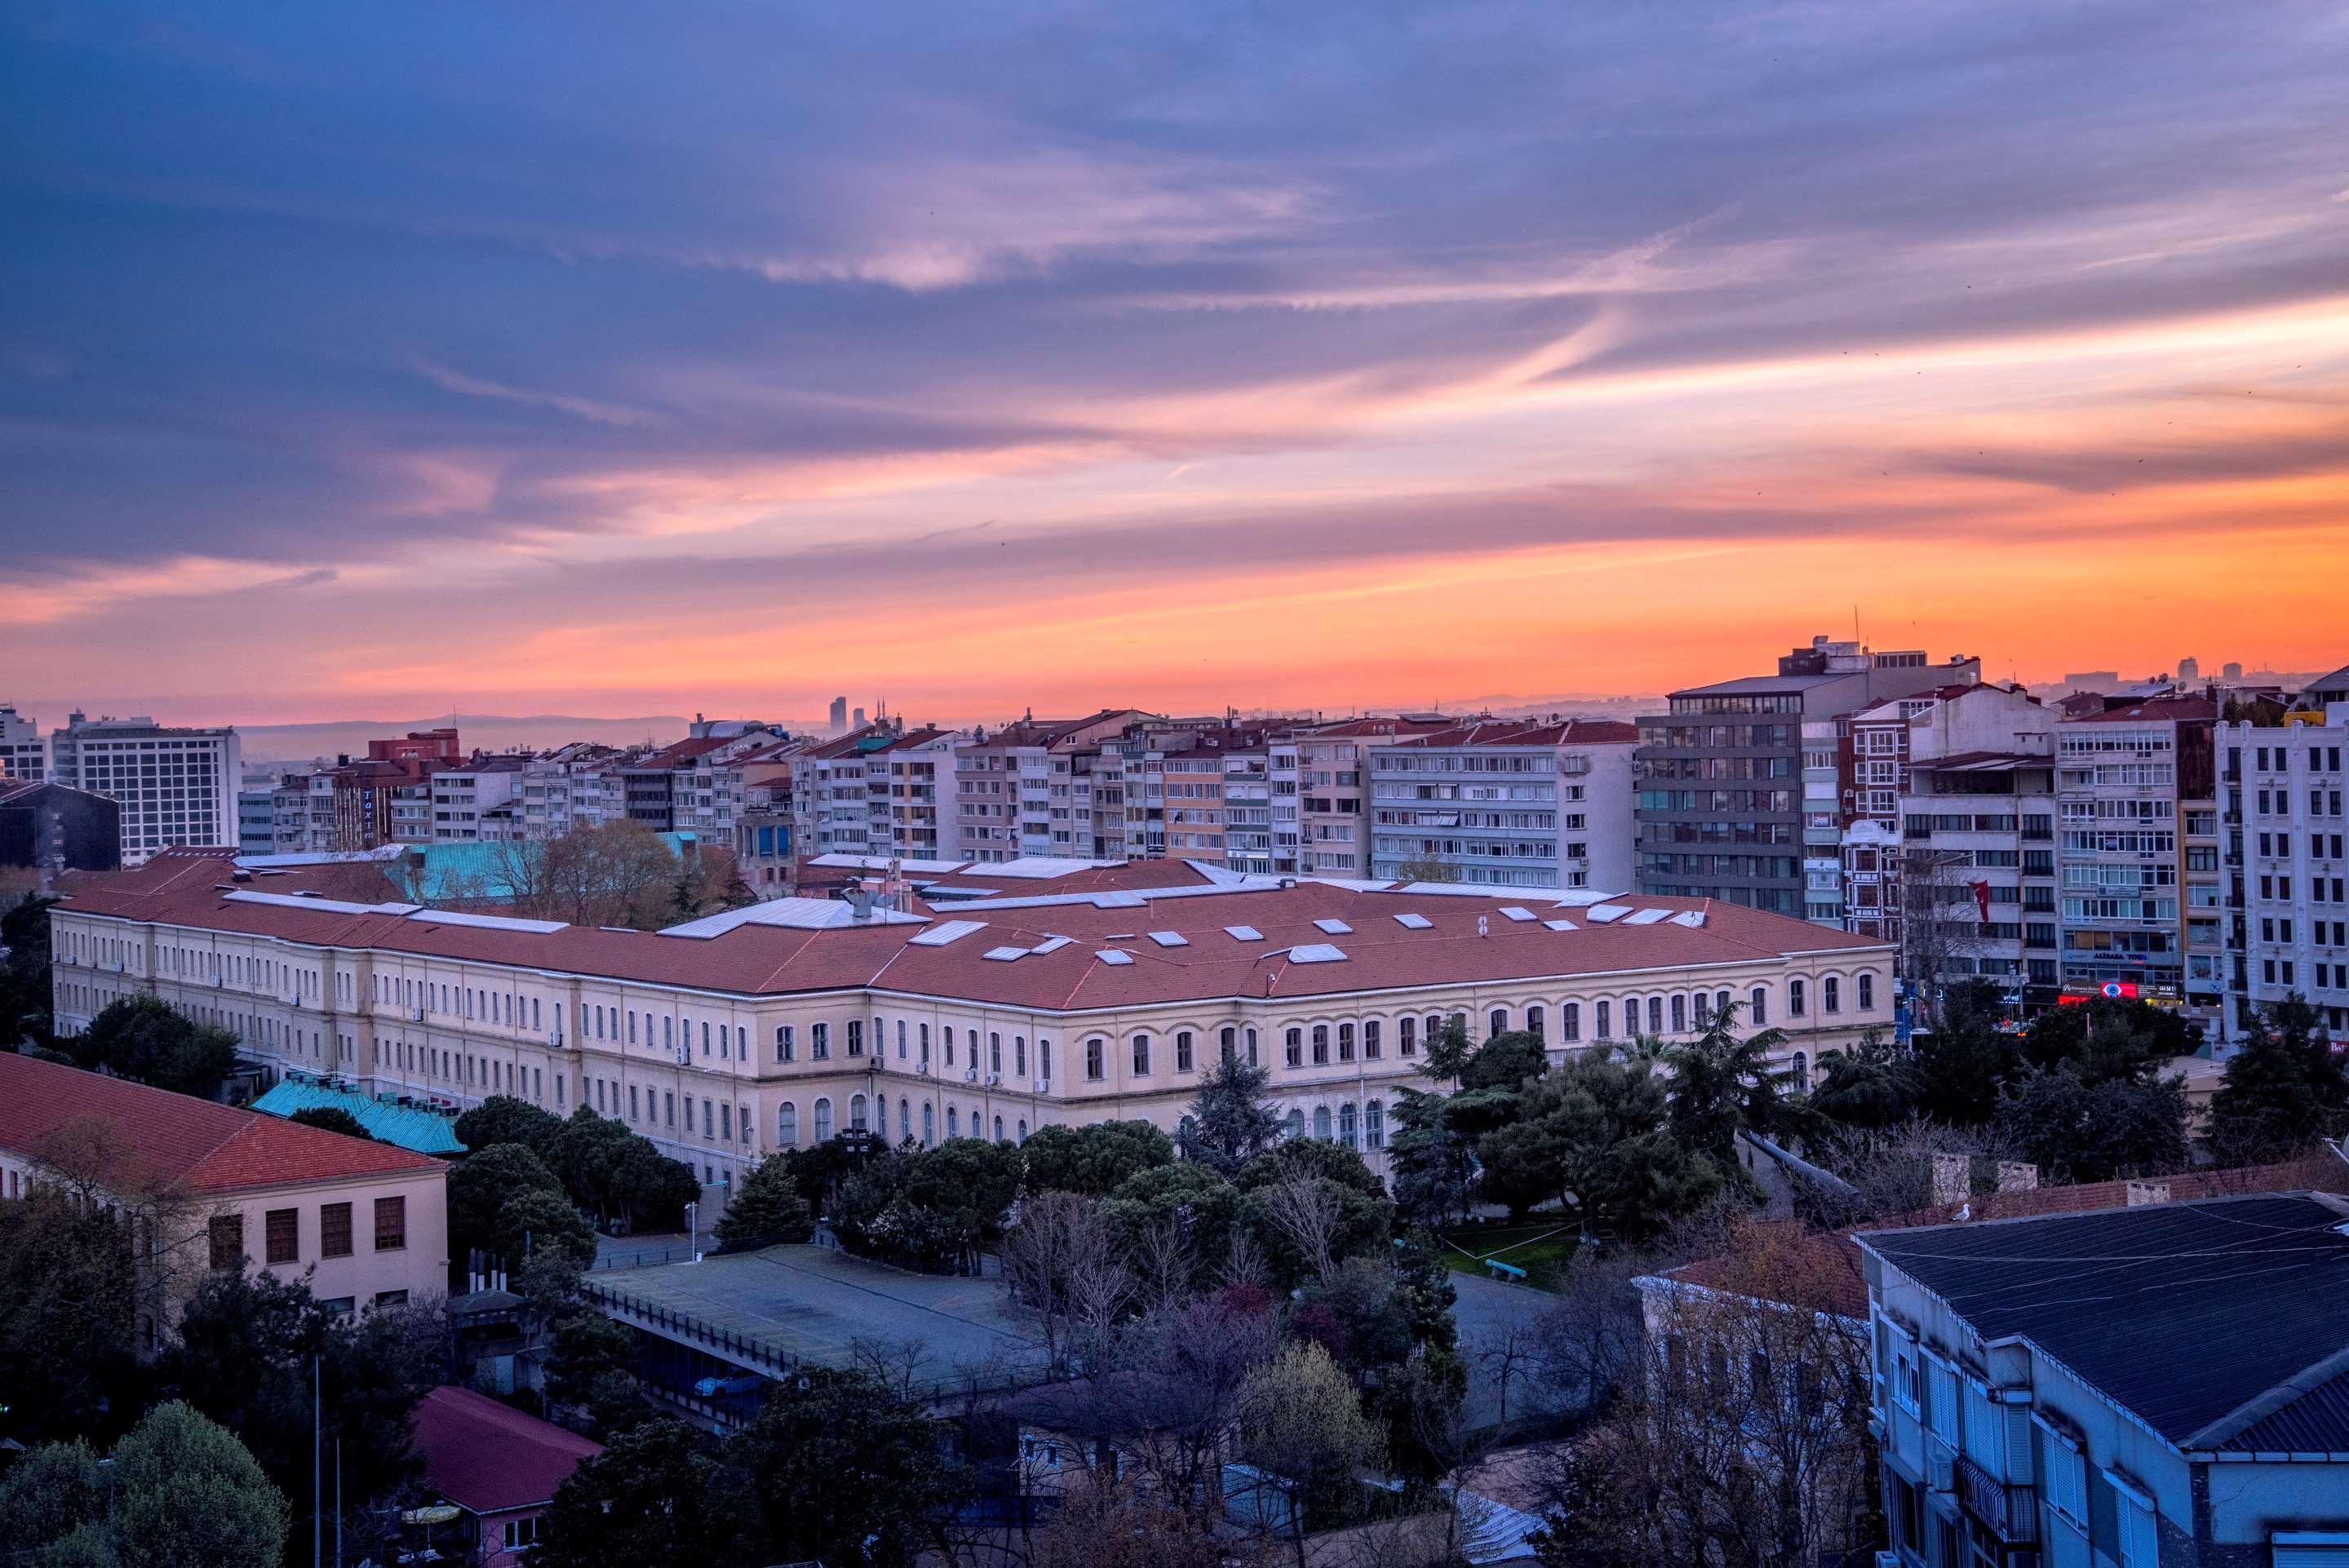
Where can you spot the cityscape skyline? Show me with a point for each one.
(1612, 353)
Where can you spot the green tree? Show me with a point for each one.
(843, 1471)
(53, 1492)
(69, 1299)
(1092, 1159)
(593, 1367)
(766, 1208)
(331, 1118)
(2106, 1039)
(538, 1221)
(24, 981)
(1229, 1122)
(1506, 1061)
(502, 1118)
(1434, 1164)
(1722, 1085)
(2076, 1131)
(1448, 1053)
(1202, 1206)
(188, 1495)
(971, 1177)
(2283, 1090)
(1866, 1085)
(479, 1186)
(1596, 1139)
(657, 1497)
(614, 1173)
(1301, 1422)
(1359, 1218)
(142, 1039)
(1959, 1069)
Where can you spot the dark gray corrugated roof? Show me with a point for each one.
(1763, 685)
(2185, 1313)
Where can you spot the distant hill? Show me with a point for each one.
(490, 731)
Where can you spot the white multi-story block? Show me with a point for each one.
(1508, 802)
(2280, 799)
(175, 786)
(23, 754)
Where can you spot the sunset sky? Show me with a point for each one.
(567, 357)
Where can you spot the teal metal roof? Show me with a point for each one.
(387, 1121)
(464, 873)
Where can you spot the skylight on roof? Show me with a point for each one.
(952, 931)
(1115, 955)
(1650, 917)
(1561, 926)
(1317, 953)
(1603, 913)
(1244, 933)
(1692, 918)
(486, 922)
(1516, 911)
(1052, 944)
(1005, 954)
(1170, 939)
(1413, 922)
(1334, 927)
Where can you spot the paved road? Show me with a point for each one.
(1483, 1311)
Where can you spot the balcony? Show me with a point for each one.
(2011, 1513)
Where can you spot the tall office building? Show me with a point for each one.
(1719, 807)
(839, 715)
(175, 786)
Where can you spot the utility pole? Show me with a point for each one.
(317, 1442)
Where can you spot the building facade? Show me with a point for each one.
(175, 786)
(1105, 992)
(24, 755)
(1721, 803)
(2286, 859)
(49, 827)
(1507, 803)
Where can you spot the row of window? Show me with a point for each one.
(282, 1233)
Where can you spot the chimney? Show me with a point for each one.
(859, 901)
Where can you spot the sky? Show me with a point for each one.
(976, 358)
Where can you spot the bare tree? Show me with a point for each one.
(1505, 1354)
(895, 1364)
(1589, 1336)
(1306, 1212)
(1161, 1265)
(1740, 1438)
(1061, 1239)
(1244, 1261)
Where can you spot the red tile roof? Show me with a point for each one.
(1527, 732)
(2155, 710)
(492, 1458)
(753, 959)
(182, 1141)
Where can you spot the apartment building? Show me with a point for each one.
(2137, 805)
(714, 790)
(1508, 802)
(999, 998)
(24, 755)
(256, 819)
(1854, 769)
(475, 801)
(1970, 890)
(1027, 789)
(2286, 858)
(2154, 1386)
(365, 1223)
(176, 786)
(1333, 790)
(1721, 803)
(48, 827)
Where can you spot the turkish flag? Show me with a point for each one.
(1981, 897)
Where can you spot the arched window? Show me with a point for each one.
(994, 1053)
(1229, 1042)
(1294, 1041)
(930, 1125)
(1801, 1071)
(1498, 1022)
(1866, 993)
(1320, 1045)
(1569, 1021)
(787, 1126)
(1757, 1006)
(1831, 994)
(999, 1129)
(1023, 1130)
(1251, 1048)
(1370, 1039)
(1721, 1001)
(782, 1042)
(904, 1121)
(1094, 1063)
(1434, 1029)
(1680, 1014)
(1599, 1030)
(1630, 1016)
(1345, 1042)
(1374, 1125)
(1655, 1015)
(1019, 1055)
(1141, 1056)
(881, 1116)
(1534, 1022)
(824, 1120)
(1704, 1009)
(1321, 1123)
(856, 1113)
(1407, 1036)
(954, 1122)
(1182, 1060)
(1346, 1125)
(1793, 998)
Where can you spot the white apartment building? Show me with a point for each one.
(1091, 992)
(2135, 789)
(175, 786)
(469, 799)
(1028, 789)
(1283, 771)
(24, 755)
(1509, 803)
(2281, 796)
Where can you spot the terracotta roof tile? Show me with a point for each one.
(492, 1458)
